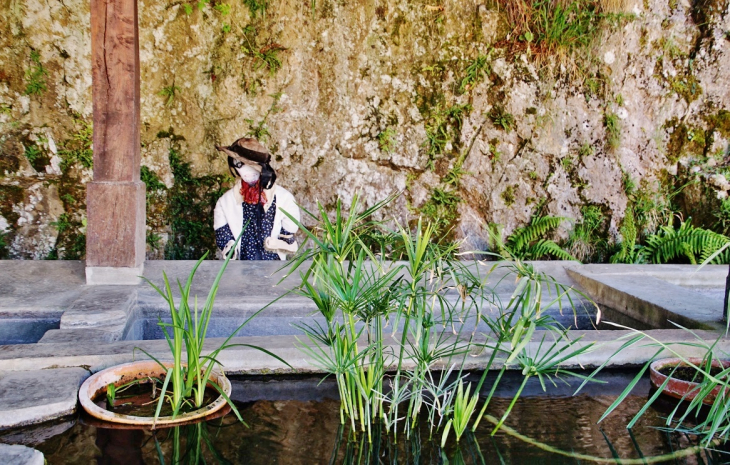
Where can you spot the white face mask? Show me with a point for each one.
(249, 174)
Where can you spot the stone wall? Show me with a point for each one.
(443, 101)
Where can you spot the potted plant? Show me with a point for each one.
(185, 386)
(685, 379)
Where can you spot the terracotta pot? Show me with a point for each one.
(86, 419)
(678, 388)
(96, 384)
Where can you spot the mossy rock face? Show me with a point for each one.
(686, 86)
(700, 203)
(720, 122)
(71, 241)
(10, 152)
(10, 196)
(686, 140)
(372, 98)
(706, 12)
(508, 195)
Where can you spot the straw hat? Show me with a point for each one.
(247, 150)
(251, 152)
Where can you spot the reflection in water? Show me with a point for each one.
(308, 431)
(349, 449)
(511, 446)
(120, 447)
(189, 444)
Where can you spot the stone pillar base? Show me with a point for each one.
(115, 235)
(111, 275)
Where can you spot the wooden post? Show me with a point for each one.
(727, 296)
(115, 199)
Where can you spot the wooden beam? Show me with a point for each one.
(115, 236)
(115, 77)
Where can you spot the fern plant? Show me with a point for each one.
(630, 251)
(528, 242)
(686, 242)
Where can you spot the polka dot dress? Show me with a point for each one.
(222, 236)
(259, 227)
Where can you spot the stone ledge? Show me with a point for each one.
(61, 336)
(681, 275)
(245, 360)
(31, 397)
(20, 455)
(99, 314)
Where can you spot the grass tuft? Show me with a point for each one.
(501, 118)
(613, 130)
(169, 94)
(35, 75)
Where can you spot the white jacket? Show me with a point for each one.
(228, 210)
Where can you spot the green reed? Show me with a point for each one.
(186, 334)
(515, 326)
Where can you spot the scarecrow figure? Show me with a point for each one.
(257, 203)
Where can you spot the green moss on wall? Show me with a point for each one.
(508, 195)
(686, 86)
(720, 122)
(76, 149)
(441, 210)
(191, 202)
(689, 140)
(71, 225)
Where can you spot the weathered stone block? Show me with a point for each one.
(28, 398)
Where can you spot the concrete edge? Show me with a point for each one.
(247, 360)
(681, 275)
(641, 309)
(602, 348)
(32, 397)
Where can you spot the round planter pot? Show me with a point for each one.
(88, 420)
(96, 384)
(678, 388)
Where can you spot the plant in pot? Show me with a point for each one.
(684, 378)
(184, 387)
(702, 383)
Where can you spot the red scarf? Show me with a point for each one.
(250, 193)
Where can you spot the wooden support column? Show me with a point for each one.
(115, 199)
(726, 302)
